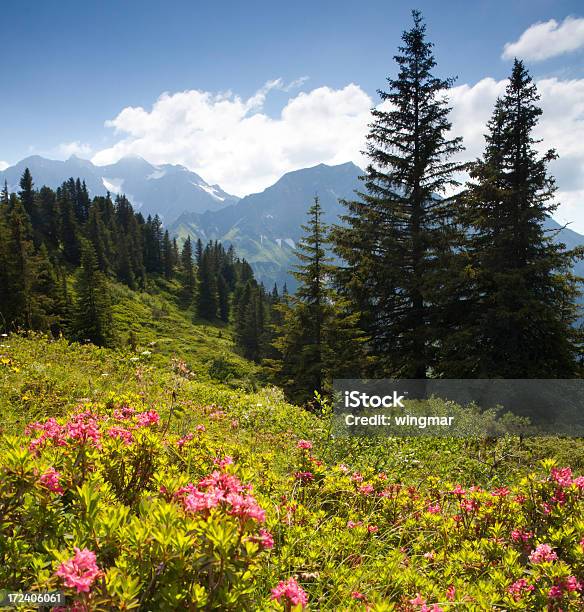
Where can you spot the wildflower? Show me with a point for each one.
(122, 433)
(372, 528)
(304, 444)
(518, 535)
(458, 490)
(433, 509)
(80, 571)
(234, 424)
(501, 492)
(222, 463)
(519, 587)
(555, 592)
(357, 595)
(145, 419)
(572, 584)
(418, 600)
(200, 428)
(186, 438)
(366, 489)
(543, 553)
(563, 476)
(353, 524)
(50, 480)
(357, 477)
(291, 592)
(265, 539)
(343, 468)
(304, 476)
(451, 593)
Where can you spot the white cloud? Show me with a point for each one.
(547, 39)
(66, 149)
(233, 142)
(561, 127)
(3, 165)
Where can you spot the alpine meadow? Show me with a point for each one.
(356, 387)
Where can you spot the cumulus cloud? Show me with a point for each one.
(547, 39)
(66, 149)
(233, 142)
(3, 165)
(561, 127)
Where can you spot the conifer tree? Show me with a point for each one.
(207, 298)
(189, 282)
(518, 310)
(398, 236)
(93, 315)
(317, 332)
(167, 256)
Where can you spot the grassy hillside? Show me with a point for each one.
(145, 470)
(164, 330)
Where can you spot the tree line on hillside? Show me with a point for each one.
(432, 284)
(60, 250)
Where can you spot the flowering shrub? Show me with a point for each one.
(246, 505)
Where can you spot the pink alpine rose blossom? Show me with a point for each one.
(291, 592)
(80, 571)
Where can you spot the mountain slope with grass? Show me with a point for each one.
(131, 484)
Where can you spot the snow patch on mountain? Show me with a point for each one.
(114, 185)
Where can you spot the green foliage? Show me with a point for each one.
(355, 520)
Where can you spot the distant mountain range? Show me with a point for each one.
(263, 227)
(166, 189)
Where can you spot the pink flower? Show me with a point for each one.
(501, 492)
(572, 584)
(353, 524)
(357, 595)
(222, 463)
(519, 587)
(122, 433)
(186, 438)
(563, 476)
(579, 482)
(265, 539)
(200, 428)
(372, 528)
(435, 509)
(291, 592)
(343, 468)
(418, 600)
(451, 593)
(80, 571)
(555, 592)
(145, 419)
(50, 480)
(458, 490)
(304, 476)
(543, 553)
(304, 444)
(366, 489)
(357, 477)
(518, 535)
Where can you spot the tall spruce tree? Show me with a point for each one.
(207, 297)
(189, 282)
(318, 339)
(398, 235)
(93, 315)
(518, 312)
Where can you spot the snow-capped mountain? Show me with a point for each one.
(166, 189)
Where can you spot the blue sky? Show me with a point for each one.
(68, 67)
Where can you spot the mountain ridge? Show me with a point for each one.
(164, 189)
